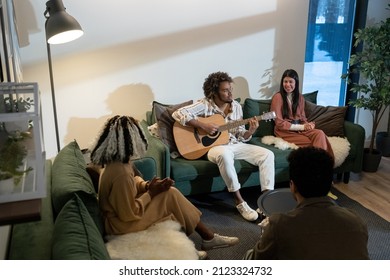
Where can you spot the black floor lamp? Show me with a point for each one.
(60, 28)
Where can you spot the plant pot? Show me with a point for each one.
(6, 186)
(383, 143)
(371, 160)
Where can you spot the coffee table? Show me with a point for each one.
(276, 201)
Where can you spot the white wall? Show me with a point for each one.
(137, 51)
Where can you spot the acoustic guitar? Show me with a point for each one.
(193, 143)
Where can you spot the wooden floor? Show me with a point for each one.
(372, 190)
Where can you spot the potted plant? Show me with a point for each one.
(19, 104)
(373, 65)
(16, 105)
(12, 155)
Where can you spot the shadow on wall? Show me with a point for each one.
(128, 55)
(81, 67)
(240, 88)
(272, 75)
(123, 101)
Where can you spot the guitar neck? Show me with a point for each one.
(234, 124)
(266, 116)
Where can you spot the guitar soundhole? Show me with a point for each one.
(209, 140)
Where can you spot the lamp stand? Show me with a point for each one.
(53, 96)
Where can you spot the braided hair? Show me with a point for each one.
(120, 139)
(211, 83)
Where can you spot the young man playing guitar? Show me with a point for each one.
(219, 100)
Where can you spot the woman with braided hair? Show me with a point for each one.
(128, 202)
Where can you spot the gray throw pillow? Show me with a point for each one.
(164, 120)
(330, 119)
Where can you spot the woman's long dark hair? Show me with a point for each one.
(290, 73)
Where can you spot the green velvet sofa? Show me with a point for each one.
(71, 226)
(201, 176)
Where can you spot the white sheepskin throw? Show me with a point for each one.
(278, 143)
(153, 130)
(163, 241)
(340, 146)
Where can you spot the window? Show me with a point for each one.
(328, 47)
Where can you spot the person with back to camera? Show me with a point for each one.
(317, 228)
(291, 123)
(218, 99)
(130, 204)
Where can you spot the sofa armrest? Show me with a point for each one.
(158, 151)
(355, 134)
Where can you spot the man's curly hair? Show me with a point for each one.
(211, 83)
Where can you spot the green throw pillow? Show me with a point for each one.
(253, 107)
(69, 176)
(75, 235)
(311, 96)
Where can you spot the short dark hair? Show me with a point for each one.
(311, 170)
(211, 83)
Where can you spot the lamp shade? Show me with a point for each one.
(60, 26)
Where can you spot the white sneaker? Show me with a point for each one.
(246, 212)
(219, 241)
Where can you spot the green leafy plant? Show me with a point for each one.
(12, 155)
(8, 104)
(19, 104)
(373, 65)
(5, 175)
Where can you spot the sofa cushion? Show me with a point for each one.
(164, 120)
(330, 119)
(311, 96)
(257, 107)
(253, 107)
(69, 176)
(147, 167)
(75, 235)
(158, 108)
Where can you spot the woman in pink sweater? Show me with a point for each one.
(291, 123)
